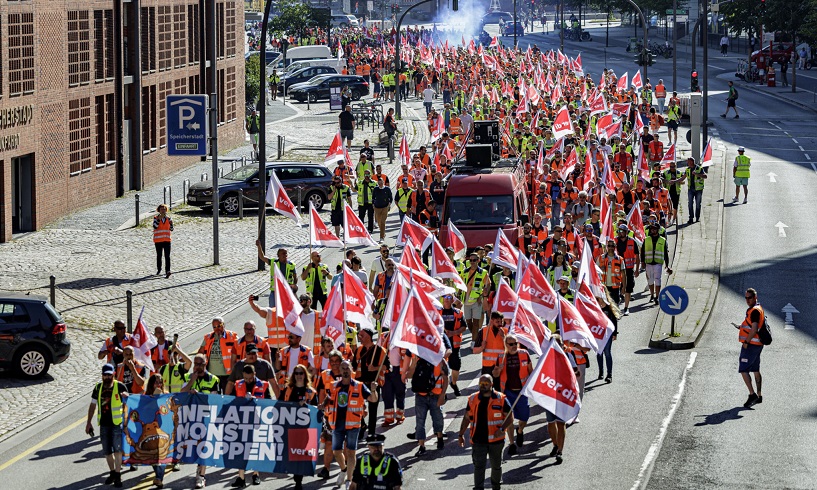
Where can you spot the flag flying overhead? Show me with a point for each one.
(319, 234)
(279, 200)
(142, 341)
(416, 332)
(288, 309)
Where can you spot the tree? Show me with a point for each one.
(788, 17)
(294, 17)
(252, 89)
(742, 16)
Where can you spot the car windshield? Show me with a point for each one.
(318, 79)
(241, 174)
(480, 210)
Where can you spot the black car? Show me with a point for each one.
(318, 87)
(313, 180)
(32, 335)
(509, 28)
(304, 75)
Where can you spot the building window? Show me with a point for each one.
(193, 33)
(193, 84)
(148, 35)
(220, 29)
(149, 119)
(230, 94)
(165, 38)
(103, 45)
(222, 103)
(164, 91)
(79, 128)
(229, 38)
(105, 130)
(79, 47)
(180, 86)
(179, 36)
(21, 53)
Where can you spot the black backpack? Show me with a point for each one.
(765, 332)
(423, 380)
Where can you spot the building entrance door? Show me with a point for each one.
(22, 194)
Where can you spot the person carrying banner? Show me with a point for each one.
(326, 379)
(488, 413)
(513, 369)
(263, 369)
(173, 372)
(157, 386)
(218, 346)
(109, 397)
(299, 390)
(376, 469)
(344, 407)
(250, 387)
(205, 382)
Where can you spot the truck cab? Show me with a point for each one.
(481, 200)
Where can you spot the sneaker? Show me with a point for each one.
(117, 480)
(723, 115)
(750, 401)
(513, 450)
(323, 474)
(655, 300)
(759, 399)
(734, 199)
(745, 200)
(421, 451)
(520, 438)
(601, 376)
(341, 478)
(412, 435)
(200, 482)
(239, 483)
(737, 116)
(110, 479)
(608, 379)
(456, 390)
(159, 272)
(559, 457)
(256, 479)
(626, 311)
(440, 443)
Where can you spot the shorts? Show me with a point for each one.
(630, 281)
(254, 138)
(654, 274)
(521, 411)
(741, 181)
(111, 438)
(454, 360)
(730, 103)
(472, 312)
(750, 358)
(675, 197)
(552, 418)
(339, 436)
(337, 217)
(672, 125)
(347, 134)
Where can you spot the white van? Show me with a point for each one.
(313, 52)
(337, 64)
(344, 20)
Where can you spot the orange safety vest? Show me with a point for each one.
(540, 231)
(241, 346)
(454, 126)
(438, 384)
(660, 91)
(656, 150)
(381, 282)
(259, 389)
(611, 266)
(521, 242)
(630, 257)
(283, 354)
(494, 345)
(160, 355)
(328, 380)
(120, 376)
(456, 340)
(569, 195)
(227, 342)
(308, 397)
(746, 326)
(355, 408)
(276, 331)
(343, 173)
(625, 160)
(524, 368)
(109, 345)
(578, 354)
(620, 199)
(595, 246)
(495, 415)
(162, 232)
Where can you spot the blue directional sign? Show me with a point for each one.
(187, 125)
(673, 300)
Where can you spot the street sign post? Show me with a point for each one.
(186, 125)
(673, 300)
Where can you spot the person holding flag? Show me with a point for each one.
(490, 342)
(282, 262)
(612, 275)
(371, 364)
(339, 193)
(513, 369)
(205, 382)
(628, 249)
(695, 178)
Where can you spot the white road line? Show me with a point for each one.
(795, 141)
(750, 112)
(775, 125)
(807, 157)
(801, 148)
(814, 167)
(652, 453)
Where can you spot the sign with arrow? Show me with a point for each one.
(772, 176)
(673, 300)
(781, 229)
(789, 310)
(186, 125)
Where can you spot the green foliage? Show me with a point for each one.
(742, 16)
(294, 17)
(787, 16)
(252, 88)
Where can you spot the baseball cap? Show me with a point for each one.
(107, 369)
(588, 227)
(740, 148)
(252, 349)
(623, 227)
(564, 278)
(376, 440)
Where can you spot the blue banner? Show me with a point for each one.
(224, 431)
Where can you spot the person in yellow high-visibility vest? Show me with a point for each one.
(740, 172)
(108, 396)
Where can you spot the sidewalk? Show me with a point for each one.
(803, 98)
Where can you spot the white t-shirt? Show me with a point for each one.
(428, 95)
(293, 359)
(308, 319)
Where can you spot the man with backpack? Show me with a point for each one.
(731, 101)
(429, 384)
(753, 335)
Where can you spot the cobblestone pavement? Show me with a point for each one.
(94, 265)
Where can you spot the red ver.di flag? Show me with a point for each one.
(332, 324)
(600, 325)
(353, 229)
(358, 299)
(572, 326)
(537, 295)
(416, 332)
(279, 200)
(143, 341)
(319, 234)
(552, 384)
(289, 309)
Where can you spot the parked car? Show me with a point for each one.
(344, 20)
(781, 50)
(509, 28)
(32, 335)
(318, 87)
(304, 75)
(494, 17)
(313, 179)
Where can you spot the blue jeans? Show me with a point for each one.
(556, 215)
(608, 354)
(424, 404)
(159, 469)
(696, 196)
(394, 389)
(428, 105)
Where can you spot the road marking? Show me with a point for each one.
(772, 176)
(716, 67)
(781, 229)
(813, 167)
(795, 141)
(808, 158)
(788, 310)
(775, 125)
(652, 452)
(41, 444)
(801, 148)
(750, 112)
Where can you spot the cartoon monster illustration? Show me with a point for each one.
(153, 445)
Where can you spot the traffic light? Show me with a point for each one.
(650, 58)
(695, 87)
(455, 5)
(762, 6)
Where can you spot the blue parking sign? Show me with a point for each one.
(187, 125)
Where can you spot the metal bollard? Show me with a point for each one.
(220, 172)
(129, 306)
(185, 189)
(390, 150)
(203, 177)
(280, 146)
(167, 196)
(52, 286)
(136, 206)
(240, 203)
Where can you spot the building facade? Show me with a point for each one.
(82, 97)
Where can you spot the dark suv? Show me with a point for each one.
(312, 178)
(318, 87)
(32, 335)
(304, 75)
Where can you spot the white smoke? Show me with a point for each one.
(464, 23)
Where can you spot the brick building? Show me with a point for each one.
(82, 97)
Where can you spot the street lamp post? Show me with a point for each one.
(644, 25)
(562, 26)
(705, 93)
(262, 137)
(397, 62)
(514, 24)
(674, 44)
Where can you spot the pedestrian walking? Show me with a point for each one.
(367, 363)
(282, 262)
(488, 414)
(429, 384)
(107, 400)
(274, 80)
(253, 126)
(784, 69)
(660, 95)
(740, 172)
(628, 250)
(218, 347)
(132, 372)
(263, 369)
(365, 200)
(339, 193)
(250, 338)
(612, 265)
(299, 390)
(556, 426)
(724, 45)
(346, 123)
(611, 310)
(695, 178)
(731, 101)
(156, 386)
(654, 256)
(162, 229)
(250, 387)
(315, 276)
(173, 373)
(376, 469)
(111, 349)
(205, 382)
(454, 325)
(513, 369)
(489, 341)
(382, 199)
(751, 347)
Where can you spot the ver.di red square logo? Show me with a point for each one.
(303, 445)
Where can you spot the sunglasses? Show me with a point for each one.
(198, 364)
(119, 328)
(299, 373)
(749, 297)
(511, 344)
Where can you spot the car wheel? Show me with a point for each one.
(316, 199)
(808, 65)
(355, 95)
(32, 362)
(229, 204)
(313, 97)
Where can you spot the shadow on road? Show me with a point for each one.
(721, 417)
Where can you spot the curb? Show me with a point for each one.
(690, 341)
(752, 88)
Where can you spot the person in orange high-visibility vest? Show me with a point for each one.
(491, 344)
(250, 387)
(132, 373)
(218, 346)
(611, 266)
(751, 347)
(513, 370)
(162, 228)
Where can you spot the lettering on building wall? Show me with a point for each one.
(16, 116)
(9, 142)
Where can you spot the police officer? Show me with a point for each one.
(740, 172)
(376, 469)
